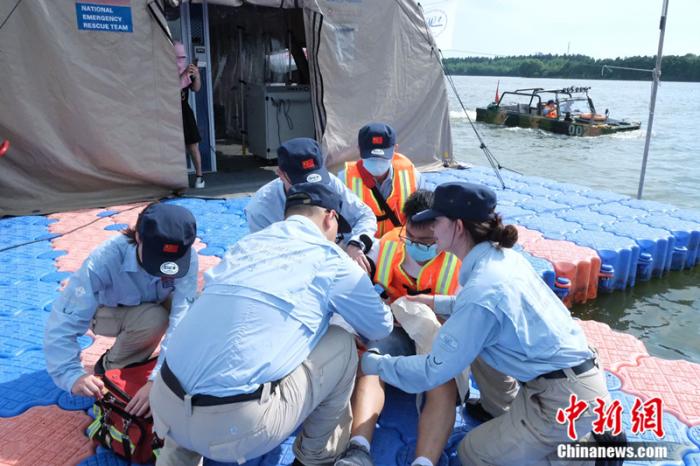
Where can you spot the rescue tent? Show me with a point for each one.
(94, 116)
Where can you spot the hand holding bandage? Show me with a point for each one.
(421, 324)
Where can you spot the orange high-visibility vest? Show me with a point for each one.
(393, 235)
(404, 184)
(438, 276)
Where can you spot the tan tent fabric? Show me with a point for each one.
(377, 64)
(373, 60)
(93, 117)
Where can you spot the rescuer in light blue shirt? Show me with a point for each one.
(255, 356)
(300, 161)
(135, 287)
(505, 314)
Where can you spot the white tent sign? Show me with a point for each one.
(440, 16)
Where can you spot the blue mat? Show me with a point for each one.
(29, 283)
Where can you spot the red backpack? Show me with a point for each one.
(130, 437)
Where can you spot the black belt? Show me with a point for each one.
(209, 400)
(585, 366)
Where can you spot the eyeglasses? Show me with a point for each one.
(335, 215)
(339, 237)
(406, 239)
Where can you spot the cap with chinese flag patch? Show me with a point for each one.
(376, 140)
(321, 195)
(301, 160)
(167, 233)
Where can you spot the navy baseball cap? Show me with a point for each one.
(166, 232)
(320, 195)
(466, 201)
(376, 140)
(302, 161)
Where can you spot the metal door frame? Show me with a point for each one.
(185, 22)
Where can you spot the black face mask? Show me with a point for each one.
(339, 238)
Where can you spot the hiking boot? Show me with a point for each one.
(355, 455)
(199, 182)
(477, 411)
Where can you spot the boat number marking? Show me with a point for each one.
(575, 130)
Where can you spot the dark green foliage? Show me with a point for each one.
(673, 67)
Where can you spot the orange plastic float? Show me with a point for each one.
(615, 349)
(46, 436)
(526, 236)
(675, 382)
(579, 264)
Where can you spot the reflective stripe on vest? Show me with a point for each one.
(448, 270)
(385, 261)
(403, 185)
(357, 188)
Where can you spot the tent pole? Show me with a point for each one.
(652, 104)
(289, 56)
(241, 86)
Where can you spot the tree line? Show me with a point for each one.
(673, 67)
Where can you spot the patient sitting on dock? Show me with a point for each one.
(407, 264)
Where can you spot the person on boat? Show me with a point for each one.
(300, 161)
(408, 264)
(383, 179)
(135, 287)
(505, 314)
(550, 109)
(269, 361)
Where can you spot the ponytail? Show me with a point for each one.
(492, 230)
(130, 232)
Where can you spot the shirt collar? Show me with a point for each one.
(471, 259)
(130, 262)
(308, 224)
(390, 176)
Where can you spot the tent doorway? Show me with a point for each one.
(260, 79)
(191, 27)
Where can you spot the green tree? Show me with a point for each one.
(674, 67)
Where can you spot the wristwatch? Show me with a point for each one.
(357, 244)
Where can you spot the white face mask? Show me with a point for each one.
(377, 166)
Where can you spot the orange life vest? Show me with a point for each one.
(404, 184)
(438, 276)
(393, 235)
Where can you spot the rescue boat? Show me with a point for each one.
(569, 111)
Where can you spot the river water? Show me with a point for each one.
(664, 313)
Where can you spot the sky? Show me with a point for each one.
(598, 28)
